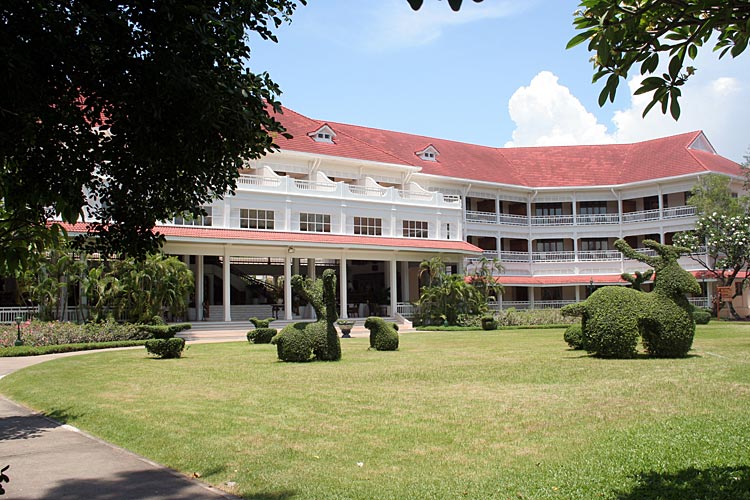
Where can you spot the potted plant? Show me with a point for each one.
(345, 325)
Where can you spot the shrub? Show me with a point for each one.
(610, 329)
(41, 333)
(164, 331)
(25, 350)
(489, 323)
(261, 335)
(158, 320)
(261, 323)
(701, 316)
(166, 348)
(298, 342)
(574, 337)
(383, 335)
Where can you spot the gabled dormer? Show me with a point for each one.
(430, 153)
(701, 143)
(323, 134)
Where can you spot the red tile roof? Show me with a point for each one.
(279, 238)
(534, 167)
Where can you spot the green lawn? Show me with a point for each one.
(506, 414)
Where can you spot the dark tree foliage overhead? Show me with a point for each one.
(455, 4)
(624, 34)
(126, 112)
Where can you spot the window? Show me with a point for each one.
(594, 244)
(593, 207)
(550, 246)
(429, 153)
(201, 220)
(416, 229)
(368, 225)
(315, 223)
(323, 134)
(547, 209)
(256, 219)
(448, 231)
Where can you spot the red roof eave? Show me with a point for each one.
(280, 238)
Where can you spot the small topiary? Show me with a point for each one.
(701, 316)
(261, 323)
(299, 342)
(574, 337)
(166, 348)
(164, 331)
(261, 335)
(157, 320)
(383, 335)
(489, 323)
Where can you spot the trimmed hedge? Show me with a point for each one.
(164, 331)
(298, 342)
(701, 316)
(489, 323)
(574, 337)
(261, 323)
(261, 335)
(166, 348)
(383, 335)
(27, 350)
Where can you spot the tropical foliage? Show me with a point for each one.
(720, 242)
(630, 34)
(130, 289)
(447, 297)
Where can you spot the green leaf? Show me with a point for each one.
(675, 65)
(579, 38)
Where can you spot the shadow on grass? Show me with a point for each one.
(714, 483)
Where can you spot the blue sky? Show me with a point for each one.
(496, 73)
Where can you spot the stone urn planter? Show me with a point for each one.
(345, 325)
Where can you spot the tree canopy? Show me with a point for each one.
(126, 113)
(624, 34)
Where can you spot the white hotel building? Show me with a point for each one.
(372, 204)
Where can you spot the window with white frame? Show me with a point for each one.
(370, 226)
(550, 246)
(251, 218)
(594, 244)
(201, 220)
(416, 229)
(315, 223)
(593, 208)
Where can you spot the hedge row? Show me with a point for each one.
(25, 350)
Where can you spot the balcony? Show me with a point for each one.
(473, 216)
(567, 256)
(342, 190)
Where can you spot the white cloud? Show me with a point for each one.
(547, 113)
(395, 26)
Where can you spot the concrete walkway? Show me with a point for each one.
(49, 460)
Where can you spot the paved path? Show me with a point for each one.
(49, 460)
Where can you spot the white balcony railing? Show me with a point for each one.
(289, 185)
(478, 217)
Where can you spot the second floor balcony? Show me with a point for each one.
(477, 217)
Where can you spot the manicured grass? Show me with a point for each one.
(505, 414)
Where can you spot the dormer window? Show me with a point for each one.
(323, 134)
(428, 154)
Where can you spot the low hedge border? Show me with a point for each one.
(479, 328)
(25, 350)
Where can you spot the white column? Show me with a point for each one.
(343, 292)
(295, 266)
(531, 297)
(578, 293)
(227, 277)
(405, 289)
(311, 268)
(287, 288)
(393, 282)
(460, 265)
(199, 299)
